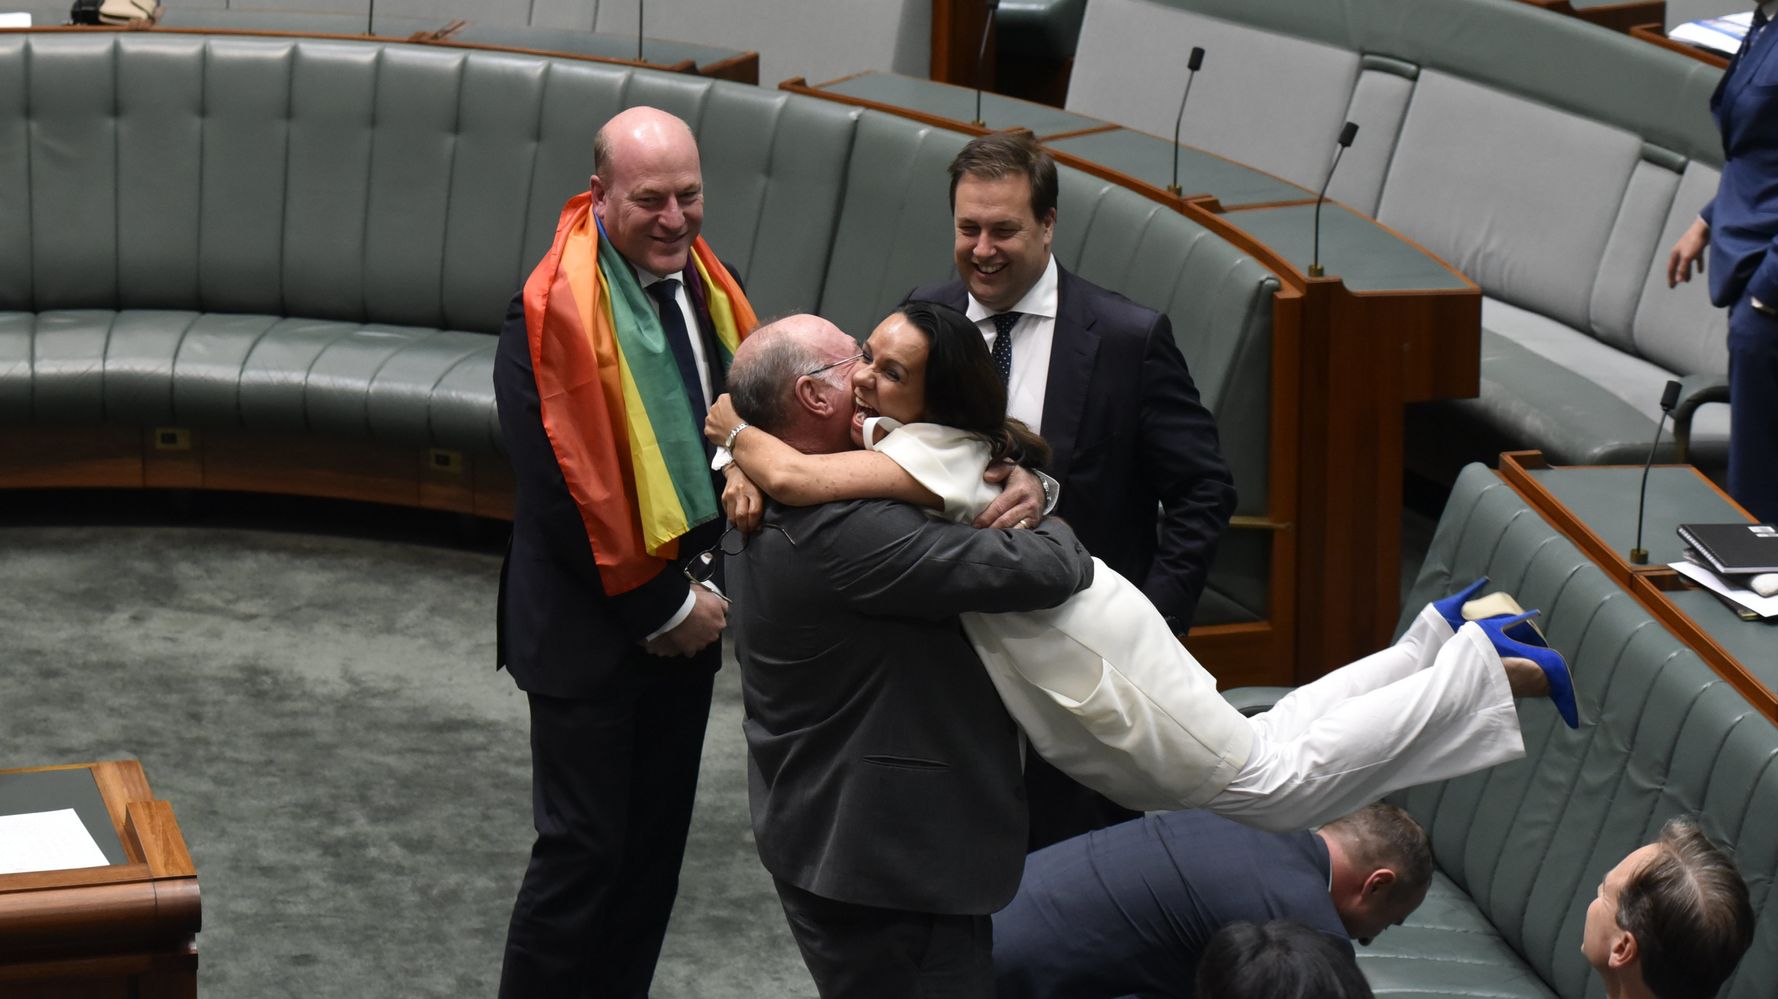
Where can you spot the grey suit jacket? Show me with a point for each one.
(882, 768)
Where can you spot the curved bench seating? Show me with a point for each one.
(1551, 161)
(1520, 848)
(274, 264)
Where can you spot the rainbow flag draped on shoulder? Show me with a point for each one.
(613, 403)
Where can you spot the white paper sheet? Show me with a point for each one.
(15, 20)
(1763, 606)
(47, 841)
(1718, 34)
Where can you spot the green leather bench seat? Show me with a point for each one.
(1520, 848)
(394, 385)
(317, 236)
(1551, 161)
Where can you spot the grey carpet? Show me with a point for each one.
(351, 775)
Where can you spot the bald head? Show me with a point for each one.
(648, 188)
(772, 388)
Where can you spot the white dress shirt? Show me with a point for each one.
(1032, 337)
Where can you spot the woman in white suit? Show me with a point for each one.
(1101, 686)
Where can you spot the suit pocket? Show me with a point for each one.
(913, 763)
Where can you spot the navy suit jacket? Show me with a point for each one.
(559, 634)
(1743, 217)
(1123, 415)
(1126, 911)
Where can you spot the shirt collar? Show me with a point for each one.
(1040, 300)
(1769, 8)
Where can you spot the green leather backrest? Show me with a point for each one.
(1560, 62)
(354, 181)
(1661, 735)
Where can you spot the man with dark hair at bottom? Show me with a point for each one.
(1102, 380)
(1127, 911)
(1282, 959)
(1670, 921)
(883, 771)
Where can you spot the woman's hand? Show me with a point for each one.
(720, 420)
(741, 499)
(1689, 250)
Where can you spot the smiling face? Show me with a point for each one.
(1001, 247)
(890, 378)
(649, 191)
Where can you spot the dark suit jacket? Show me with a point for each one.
(1129, 433)
(1743, 217)
(1126, 911)
(882, 768)
(559, 634)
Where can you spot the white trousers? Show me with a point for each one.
(1430, 707)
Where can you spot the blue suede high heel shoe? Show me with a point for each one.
(1451, 607)
(1555, 668)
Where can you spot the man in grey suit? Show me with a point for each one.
(883, 772)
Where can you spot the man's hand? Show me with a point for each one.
(1021, 498)
(741, 499)
(709, 615)
(1689, 250)
(719, 420)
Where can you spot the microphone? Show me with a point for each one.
(1347, 134)
(1191, 69)
(1669, 398)
(981, 59)
(639, 5)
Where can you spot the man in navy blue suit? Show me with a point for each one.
(1126, 911)
(1102, 380)
(1740, 226)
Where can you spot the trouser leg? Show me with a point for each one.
(1753, 411)
(1417, 649)
(613, 778)
(863, 952)
(1452, 718)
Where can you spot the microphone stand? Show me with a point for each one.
(1191, 70)
(981, 58)
(639, 5)
(1347, 134)
(1669, 396)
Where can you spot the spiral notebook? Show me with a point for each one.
(1734, 549)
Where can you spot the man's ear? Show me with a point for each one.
(1380, 882)
(1624, 951)
(597, 187)
(810, 397)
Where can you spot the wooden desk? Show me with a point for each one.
(1617, 16)
(1656, 34)
(127, 929)
(1392, 324)
(1594, 507)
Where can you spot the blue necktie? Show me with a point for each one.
(1002, 353)
(665, 296)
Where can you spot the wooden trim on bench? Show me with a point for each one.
(1655, 34)
(295, 464)
(1611, 16)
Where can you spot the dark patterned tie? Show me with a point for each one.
(665, 295)
(1002, 353)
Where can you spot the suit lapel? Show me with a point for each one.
(1072, 351)
(1741, 70)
